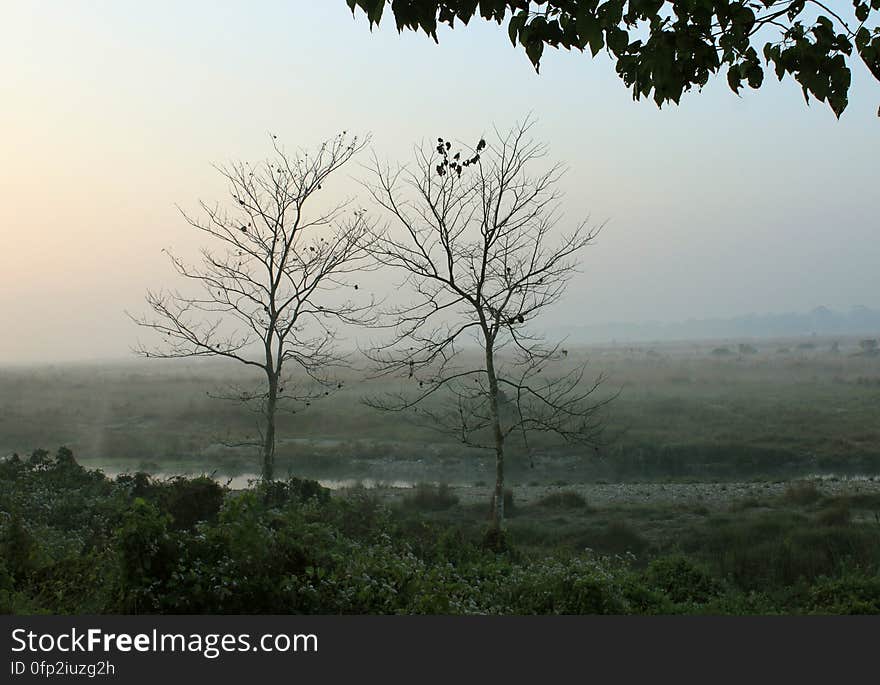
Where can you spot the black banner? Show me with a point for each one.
(143, 649)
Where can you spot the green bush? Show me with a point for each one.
(7, 590)
(803, 492)
(18, 547)
(837, 514)
(430, 497)
(279, 493)
(146, 554)
(187, 500)
(852, 593)
(682, 580)
(190, 500)
(782, 549)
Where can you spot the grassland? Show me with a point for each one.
(683, 412)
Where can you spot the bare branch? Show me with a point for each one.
(474, 231)
(279, 276)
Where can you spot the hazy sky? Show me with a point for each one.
(113, 112)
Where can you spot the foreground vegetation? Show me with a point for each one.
(74, 541)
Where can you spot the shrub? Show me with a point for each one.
(850, 594)
(146, 555)
(496, 540)
(40, 457)
(64, 458)
(429, 497)
(279, 493)
(7, 590)
(781, 549)
(137, 484)
(190, 500)
(682, 579)
(581, 585)
(361, 514)
(802, 492)
(837, 514)
(18, 547)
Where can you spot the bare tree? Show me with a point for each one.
(475, 240)
(266, 295)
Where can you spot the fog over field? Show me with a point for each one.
(722, 410)
(821, 321)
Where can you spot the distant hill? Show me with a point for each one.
(820, 321)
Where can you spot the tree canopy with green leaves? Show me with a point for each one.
(664, 48)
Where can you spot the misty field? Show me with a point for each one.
(683, 411)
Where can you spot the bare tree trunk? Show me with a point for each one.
(474, 236)
(498, 502)
(269, 433)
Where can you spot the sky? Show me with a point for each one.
(114, 112)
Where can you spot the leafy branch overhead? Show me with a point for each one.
(664, 48)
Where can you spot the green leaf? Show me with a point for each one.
(617, 40)
(534, 50)
(517, 21)
(374, 13)
(589, 31)
(734, 78)
(755, 76)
